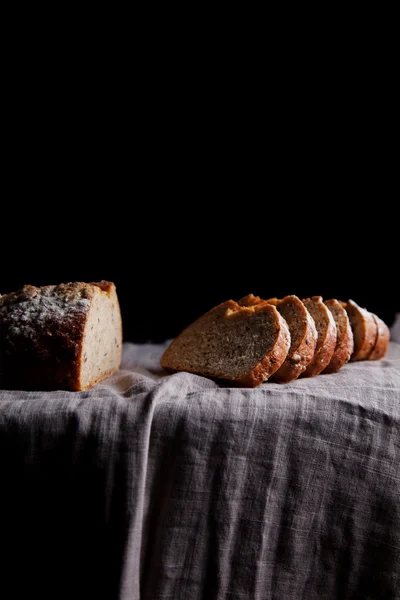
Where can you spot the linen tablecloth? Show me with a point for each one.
(158, 486)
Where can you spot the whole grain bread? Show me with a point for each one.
(326, 329)
(303, 335)
(66, 336)
(344, 342)
(243, 345)
(382, 339)
(364, 329)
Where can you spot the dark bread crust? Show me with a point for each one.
(250, 300)
(364, 329)
(260, 372)
(300, 355)
(344, 344)
(273, 301)
(382, 339)
(43, 351)
(326, 342)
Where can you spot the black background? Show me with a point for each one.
(187, 199)
(171, 263)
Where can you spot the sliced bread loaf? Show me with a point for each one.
(344, 341)
(382, 339)
(303, 335)
(364, 329)
(244, 345)
(326, 330)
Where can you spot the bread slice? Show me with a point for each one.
(344, 342)
(243, 345)
(303, 335)
(382, 339)
(364, 330)
(326, 329)
(66, 336)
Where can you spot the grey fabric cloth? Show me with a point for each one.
(395, 330)
(158, 486)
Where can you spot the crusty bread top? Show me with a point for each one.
(274, 301)
(69, 292)
(250, 300)
(30, 312)
(34, 314)
(240, 344)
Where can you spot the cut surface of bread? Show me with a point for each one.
(382, 339)
(326, 329)
(66, 336)
(102, 340)
(364, 330)
(243, 345)
(303, 335)
(344, 342)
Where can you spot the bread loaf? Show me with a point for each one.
(66, 336)
(244, 345)
(252, 340)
